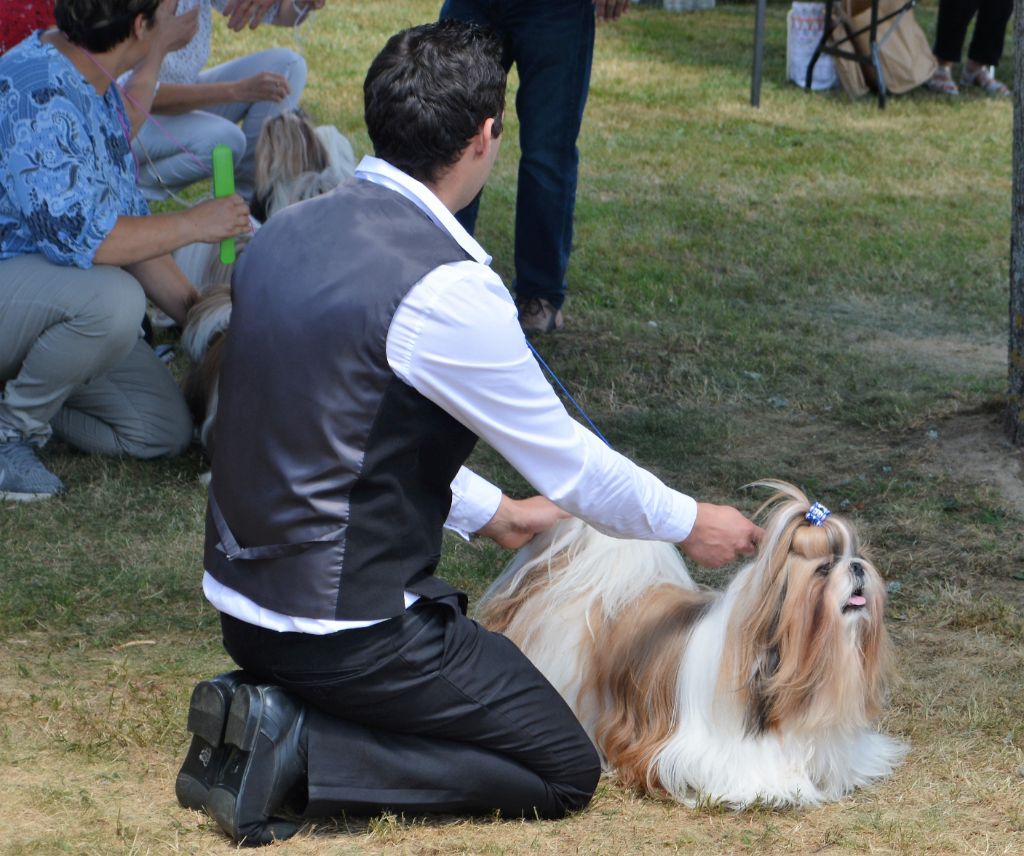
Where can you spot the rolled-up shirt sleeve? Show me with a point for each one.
(474, 502)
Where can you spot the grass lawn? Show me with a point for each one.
(815, 290)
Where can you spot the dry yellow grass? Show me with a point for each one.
(92, 740)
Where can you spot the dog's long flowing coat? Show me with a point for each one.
(765, 693)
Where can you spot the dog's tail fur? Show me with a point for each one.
(203, 340)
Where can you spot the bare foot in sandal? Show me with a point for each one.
(984, 77)
(942, 81)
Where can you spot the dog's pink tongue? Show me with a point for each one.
(856, 600)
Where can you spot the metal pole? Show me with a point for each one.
(755, 81)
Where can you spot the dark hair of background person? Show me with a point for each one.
(427, 93)
(99, 25)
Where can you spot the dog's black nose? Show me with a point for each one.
(857, 569)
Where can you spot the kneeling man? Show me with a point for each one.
(371, 345)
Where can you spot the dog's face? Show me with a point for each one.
(807, 643)
(822, 576)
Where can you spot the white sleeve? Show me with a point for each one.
(456, 339)
(474, 502)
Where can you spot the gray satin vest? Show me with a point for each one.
(331, 479)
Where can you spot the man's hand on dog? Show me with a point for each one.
(720, 535)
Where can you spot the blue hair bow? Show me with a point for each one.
(817, 514)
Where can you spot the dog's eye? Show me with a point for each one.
(824, 568)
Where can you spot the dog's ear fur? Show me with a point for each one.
(203, 340)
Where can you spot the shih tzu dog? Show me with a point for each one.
(766, 693)
(294, 161)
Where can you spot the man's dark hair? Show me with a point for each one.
(427, 93)
(99, 25)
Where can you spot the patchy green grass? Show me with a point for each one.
(815, 290)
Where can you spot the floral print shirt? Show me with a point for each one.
(66, 168)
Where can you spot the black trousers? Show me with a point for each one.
(989, 30)
(426, 712)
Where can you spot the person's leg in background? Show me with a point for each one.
(951, 29)
(135, 409)
(552, 42)
(552, 46)
(60, 328)
(950, 33)
(291, 66)
(986, 48)
(485, 13)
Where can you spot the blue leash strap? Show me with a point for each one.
(567, 394)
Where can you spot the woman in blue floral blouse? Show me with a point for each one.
(79, 250)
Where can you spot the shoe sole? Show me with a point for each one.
(243, 722)
(208, 711)
(242, 731)
(207, 721)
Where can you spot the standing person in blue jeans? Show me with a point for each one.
(551, 43)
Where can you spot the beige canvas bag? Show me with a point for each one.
(905, 56)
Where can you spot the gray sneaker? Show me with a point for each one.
(23, 478)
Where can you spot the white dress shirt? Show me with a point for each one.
(456, 339)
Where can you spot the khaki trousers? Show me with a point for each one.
(73, 363)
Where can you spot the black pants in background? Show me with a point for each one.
(426, 712)
(989, 30)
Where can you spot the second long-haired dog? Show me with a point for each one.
(295, 161)
(765, 693)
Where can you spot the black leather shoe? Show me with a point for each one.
(266, 767)
(207, 718)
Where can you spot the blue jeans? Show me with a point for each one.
(552, 44)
